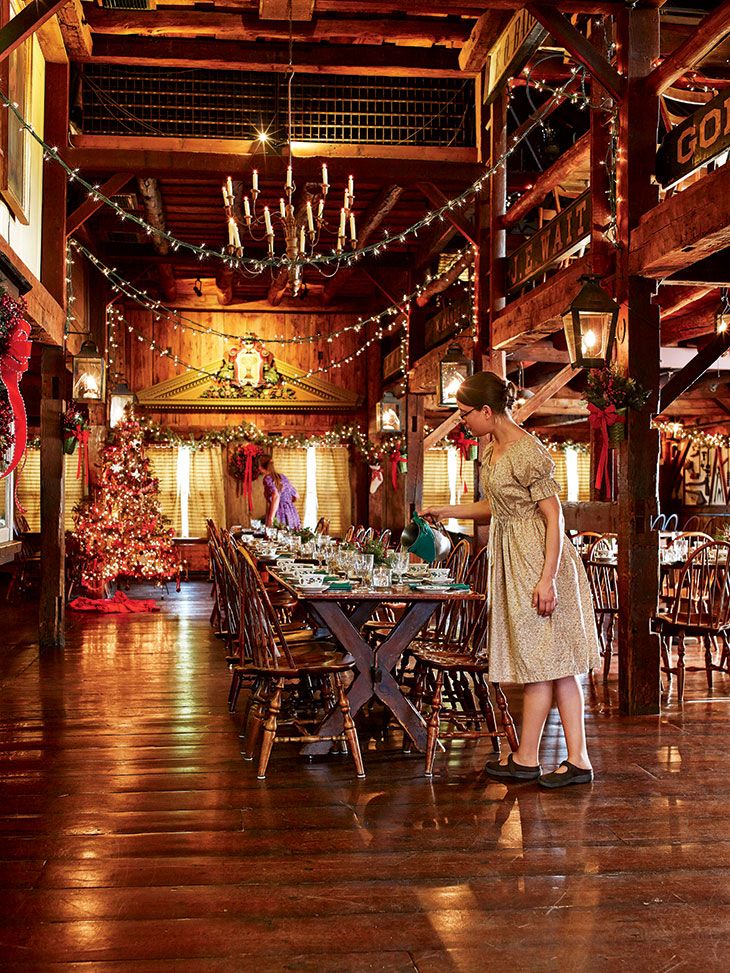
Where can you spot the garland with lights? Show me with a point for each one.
(122, 532)
(675, 430)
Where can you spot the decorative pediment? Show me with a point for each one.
(295, 392)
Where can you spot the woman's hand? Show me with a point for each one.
(434, 514)
(545, 597)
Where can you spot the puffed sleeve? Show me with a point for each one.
(534, 469)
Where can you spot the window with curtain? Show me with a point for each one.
(163, 463)
(573, 474)
(206, 497)
(29, 488)
(334, 494)
(443, 483)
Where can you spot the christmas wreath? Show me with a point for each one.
(244, 468)
(74, 423)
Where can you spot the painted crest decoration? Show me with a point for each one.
(249, 371)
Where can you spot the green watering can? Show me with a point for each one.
(429, 542)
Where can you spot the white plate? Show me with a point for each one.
(312, 589)
(437, 588)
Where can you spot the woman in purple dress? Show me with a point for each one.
(280, 495)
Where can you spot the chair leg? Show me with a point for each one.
(666, 648)
(348, 726)
(254, 721)
(708, 660)
(680, 667)
(608, 646)
(485, 704)
(269, 736)
(507, 722)
(433, 724)
(234, 691)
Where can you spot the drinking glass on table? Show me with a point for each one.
(400, 561)
(381, 576)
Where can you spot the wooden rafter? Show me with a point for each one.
(579, 48)
(149, 190)
(446, 279)
(684, 379)
(421, 31)
(437, 199)
(707, 36)
(75, 29)
(373, 218)
(439, 8)
(695, 323)
(25, 23)
(82, 213)
(543, 394)
(483, 35)
(224, 55)
(575, 157)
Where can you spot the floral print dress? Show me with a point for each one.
(524, 646)
(286, 512)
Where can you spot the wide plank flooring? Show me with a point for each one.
(134, 838)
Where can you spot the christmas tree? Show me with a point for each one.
(122, 532)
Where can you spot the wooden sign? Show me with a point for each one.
(569, 230)
(447, 322)
(696, 141)
(512, 49)
(391, 363)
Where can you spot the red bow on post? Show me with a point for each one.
(396, 457)
(14, 363)
(601, 419)
(250, 451)
(82, 435)
(464, 444)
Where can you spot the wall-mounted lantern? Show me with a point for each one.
(454, 368)
(88, 374)
(388, 414)
(590, 325)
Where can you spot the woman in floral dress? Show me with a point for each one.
(541, 624)
(280, 495)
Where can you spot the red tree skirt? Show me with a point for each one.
(119, 604)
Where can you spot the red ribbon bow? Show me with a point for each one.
(601, 419)
(250, 451)
(396, 457)
(12, 366)
(463, 443)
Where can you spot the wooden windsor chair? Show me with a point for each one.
(453, 671)
(700, 609)
(277, 670)
(603, 579)
(583, 540)
(218, 618)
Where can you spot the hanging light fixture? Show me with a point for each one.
(301, 227)
(590, 325)
(388, 414)
(454, 368)
(722, 315)
(121, 398)
(88, 374)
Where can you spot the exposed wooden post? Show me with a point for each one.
(149, 189)
(415, 409)
(24, 24)
(52, 599)
(53, 231)
(498, 206)
(639, 649)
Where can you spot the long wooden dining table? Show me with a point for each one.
(343, 613)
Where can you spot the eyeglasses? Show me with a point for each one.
(463, 415)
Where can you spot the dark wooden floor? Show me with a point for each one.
(134, 838)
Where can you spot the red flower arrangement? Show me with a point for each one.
(75, 422)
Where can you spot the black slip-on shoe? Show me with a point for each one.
(512, 771)
(573, 775)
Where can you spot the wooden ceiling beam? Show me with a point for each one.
(442, 7)
(87, 209)
(485, 32)
(705, 37)
(75, 30)
(683, 228)
(544, 394)
(538, 313)
(684, 379)
(184, 157)
(233, 25)
(672, 300)
(693, 324)
(437, 199)
(149, 191)
(25, 23)
(712, 271)
(579, 47)
(446, 279)
(225, 55)
(370, 221)
(575, 157)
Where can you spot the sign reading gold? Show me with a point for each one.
(696, 141)
(556, 239)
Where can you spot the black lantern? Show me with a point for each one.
(387, 414)
(88, 374)
(590, 325)
(722, 315)
(122, 397)
(454, 368)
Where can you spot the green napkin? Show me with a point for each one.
(340, 586)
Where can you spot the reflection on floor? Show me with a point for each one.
(135, 838)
